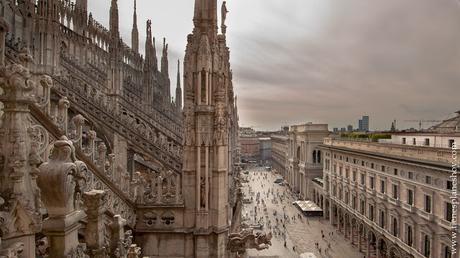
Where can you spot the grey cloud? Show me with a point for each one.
(326, 60)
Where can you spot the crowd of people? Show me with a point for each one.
(259, 216)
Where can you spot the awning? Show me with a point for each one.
(307, 206)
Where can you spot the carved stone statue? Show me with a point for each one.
(224, 12)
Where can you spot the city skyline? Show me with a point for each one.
(318, 61)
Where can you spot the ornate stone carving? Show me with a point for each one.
(246, 239)
(66, 174)
(62, 201)
(14, 251)
(224, 12)
(20, 151)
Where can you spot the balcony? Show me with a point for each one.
(382, 196)
(408, 207)
(446, 224)
(426, 215)
(395, 202)
(371, 192)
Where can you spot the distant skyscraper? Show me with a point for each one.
(350, 128)
(363, 124)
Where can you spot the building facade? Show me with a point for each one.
(279, 154)
(265, 149)
(304, 157)
(250, 148)
(391, 199)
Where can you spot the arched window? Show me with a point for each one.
(395, 227)
(319, 156)
(314, 156)
(426, 246)
(298, 153)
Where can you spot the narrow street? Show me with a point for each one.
(293, 233)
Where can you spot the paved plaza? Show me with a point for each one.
(272, 208)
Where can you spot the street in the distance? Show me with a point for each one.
(269, 208)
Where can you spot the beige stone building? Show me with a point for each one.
(394, 199)
(279, 157)
(304, 157)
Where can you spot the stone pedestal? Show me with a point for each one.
(94, 232)
(62, 233)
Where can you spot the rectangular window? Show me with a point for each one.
(354, 176)
(449, 185)
(395, 172)
(427, 142)
(362, 179)
(362, 207)
(395, 192)
(451, 143)
(410, 175)
(382, 186)
(372, 165)
(428, 203)
(414, 141)
(410, 196)
(428, 180)
(371, 212)
(371, 182)
(448, 212)
(383, 168)
(403, 140)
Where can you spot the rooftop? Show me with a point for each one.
(309, 127)
(430, 156)
(451, 125)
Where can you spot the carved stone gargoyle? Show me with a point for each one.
(247, 239)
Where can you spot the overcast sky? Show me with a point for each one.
(328, 61)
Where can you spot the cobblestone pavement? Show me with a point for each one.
(301, 233)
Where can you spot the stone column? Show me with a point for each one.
(118, 236)
(64, 173)
(94, 232)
